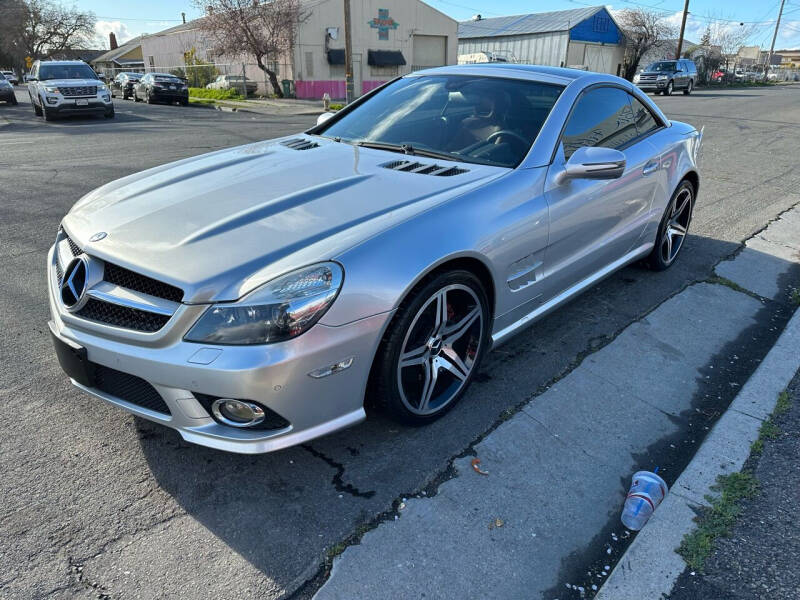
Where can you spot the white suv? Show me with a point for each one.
(60, 87)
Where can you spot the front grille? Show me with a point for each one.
(129, 388)
(140, 283)
(647, 77)
(73, 247)
(272, 420)
(122, 316)
(73, 92)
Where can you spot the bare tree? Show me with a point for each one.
(50, 27)
(265, 30)
(729, 37)
(13, 14)
(643, 30)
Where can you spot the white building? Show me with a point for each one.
(389, 38)
(585, 38)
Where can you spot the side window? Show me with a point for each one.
(645, 121)
(601, 117)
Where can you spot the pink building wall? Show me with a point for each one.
(313, 90)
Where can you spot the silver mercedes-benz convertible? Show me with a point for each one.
(260, 296)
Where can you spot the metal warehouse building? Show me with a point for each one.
(586, 38)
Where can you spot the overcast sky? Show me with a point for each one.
(129, 18)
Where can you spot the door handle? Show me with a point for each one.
(650, 167)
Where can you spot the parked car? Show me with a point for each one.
(10, 77)
(64, 87)
(161, 87)
(7, 90)
(665, 76)
(717, 76)
(123, 84)
(252, 298)
(233, 82)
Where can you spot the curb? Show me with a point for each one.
(650, 566)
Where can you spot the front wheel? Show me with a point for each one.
(37, 110)
(673, 228)
(13, 100)
(688, 89)
(432, 349)
(149, 98)
(109, 114)
(668, 89)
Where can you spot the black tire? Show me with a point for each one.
(14, 100)
(185, 102)
(109, 114)
(688, 89)
(463, 293)
(668, 89)
(37, 110)
(662, 258)
(149, 98)
(49, 115)
(135, 96)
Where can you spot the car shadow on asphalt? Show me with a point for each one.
(281, 511)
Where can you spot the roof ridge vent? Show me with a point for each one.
(299, 144)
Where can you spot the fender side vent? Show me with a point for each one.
(410, 166)
(300, 144)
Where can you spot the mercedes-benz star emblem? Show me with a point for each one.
(73, 285)
(98, 236)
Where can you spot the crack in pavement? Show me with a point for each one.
(337, 480)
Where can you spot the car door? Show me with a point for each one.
(597, 223)
(683, 75)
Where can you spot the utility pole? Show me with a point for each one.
(772, 46)
(348, 53)
(683, 28)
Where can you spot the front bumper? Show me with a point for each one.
(6, 93)
(652, 86)
(275, 375)
(166, 94)
(65, 106)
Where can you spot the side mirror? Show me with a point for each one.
(593, 163)
(324, 117)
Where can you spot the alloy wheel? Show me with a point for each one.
(677, 225)
(440, 349)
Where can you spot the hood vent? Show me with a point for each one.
(410, 166)
(300, 144)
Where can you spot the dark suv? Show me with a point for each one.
(665, 76)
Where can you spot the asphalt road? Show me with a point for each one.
(97, 502)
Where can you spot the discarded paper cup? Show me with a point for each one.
(646, 493)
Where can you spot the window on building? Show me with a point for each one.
(309, 65)
(337, 72)
(384, 71)
(600, 24)
(152, 62)
(601, 117)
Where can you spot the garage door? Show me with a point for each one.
(600, 59)
(429, 51)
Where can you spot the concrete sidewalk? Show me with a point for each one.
(286, 106)
(544, 522)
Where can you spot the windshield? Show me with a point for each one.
(65, 72)
(664, 65)
(486, 120)
(2, 76)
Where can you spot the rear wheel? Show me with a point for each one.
(673, 228)
(688, 89)
(432, 349)
(149, 98)
(135, 96)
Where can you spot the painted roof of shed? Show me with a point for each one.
(560, 20)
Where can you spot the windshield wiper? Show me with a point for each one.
(409, 149)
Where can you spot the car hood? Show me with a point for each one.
(71, 82)
(220, 224)
(657, 73)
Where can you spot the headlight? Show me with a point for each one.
(662, 77)
(102, 87)
(279, 310)
(51, 89)
(636, 78)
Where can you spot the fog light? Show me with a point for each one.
(237, 413)
(106, 98)
(51, 100)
